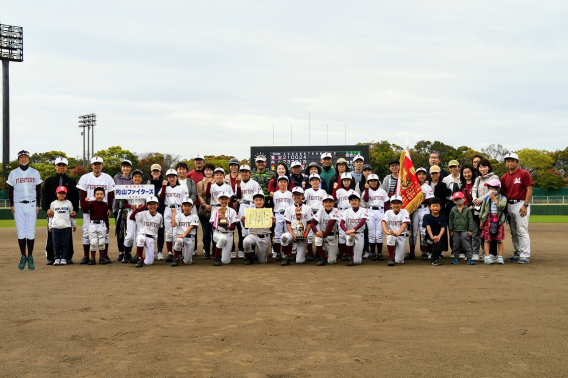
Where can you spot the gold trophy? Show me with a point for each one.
(222, 219)
(300, 226)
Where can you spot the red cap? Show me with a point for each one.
(61, 189)
(457, 195)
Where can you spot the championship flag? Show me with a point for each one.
(408, 186)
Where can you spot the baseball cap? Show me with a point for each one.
(358, 157)
(434, 169)
(23, 152)
(297, 189)
(346, 176)
(96, 159)
(259, 193)
(61, 160)
(219, 169)
(244, 167)
(187, 200)
(341, 161)
(457, 195)
(422, 169)
(234, 161)
(395, 197)
(126, 161)
(494, 183)
(283, 178)
(510, 155)
(367, 166)
(223, 194)
(354, 195)
(61, 189)
(295, 163)
(152, 199)
(328, 198)
(156, 167)
(198, 157)
(315, 176)
(454, 163)
(372, 176)
(326, 155)
(260, 158)
(171, 172)
(394, 161)
(137, 172)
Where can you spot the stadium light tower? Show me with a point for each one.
(11, 49)
(88, 121)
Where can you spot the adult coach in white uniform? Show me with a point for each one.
(24, 192)
(87, 185)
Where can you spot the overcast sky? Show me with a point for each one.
(214, 77)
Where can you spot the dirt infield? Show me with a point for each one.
(295, 321)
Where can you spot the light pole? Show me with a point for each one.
(11, 49)
(88, 121)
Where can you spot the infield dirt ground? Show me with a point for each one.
(295, 321)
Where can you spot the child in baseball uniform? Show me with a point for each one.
(24, 192)
(375, 197)
(313, 197)
(353, 224)
(257, 236)
(212, 193)
(282, 199)
(185, 225)
(297, 217)
(98, 225)
(341, 196)
(394, 223)
(149, 222)
(461, 227)
(131, 205)
(246, 188)
(325, 225)
(492, 218)
(172, 193)
(418, 215)
(223, 220)
(436, 226)
(60, 225)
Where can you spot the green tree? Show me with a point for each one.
(561, 161)
(550, 180)
(535, 160)
(112, 158)
(495, 151)
(379, 155)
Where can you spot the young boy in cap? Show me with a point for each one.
(461, 227)
(172, 193)
(98, 225)
(60, 225)
(394, 224)
(245, 188)
(297, 217)
(282, 199)
(148, 221)
(224, 219)
(375, 198)
(185, 225)
(325, 228)
(436, 226)
(257, 236)
(130, 205)
(341, 196)
(418, 216)
(313, 198)
(353, 224)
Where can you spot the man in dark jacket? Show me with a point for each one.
(48, 195)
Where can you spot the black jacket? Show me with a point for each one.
(157, 187)
(50, 185)
(442, 192)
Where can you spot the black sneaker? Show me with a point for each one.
(391, 262)
(92, 262)
(278, 257)
(436, 262)
(410, 256)
(424, 257)
(206, 255)
(102, 261)
(380, 257)
(350, 262)
(344, 257)
(107, 259)
(373, 257)
(135, 259)
(285, 261)
(321, 261)
(310, 257)
(217, 261)
(85, 260)
(170, 258)
(140, 263)
(69, 262)
(120, 257)
(248, 261)
(127, 258)
(175, 262)
(50, 262)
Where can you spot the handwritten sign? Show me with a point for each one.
(258, 218)
(133, 191)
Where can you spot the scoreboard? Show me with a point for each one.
(307, 154)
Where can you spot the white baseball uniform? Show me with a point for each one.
(183, 222)
(148, 225)
(305, 217)
(131, 224)
(314, 198)
(282, 200)
(216, 189)
(88, 183)
(342, 198)
(261, 238)
(25, 213)
(222, 237)
(352, 218)
(323, 218)
(172, 199)
(419, 213)
(394, 223)
(247, 190)
(376, 211)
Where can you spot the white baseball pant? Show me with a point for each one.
(342, 239)
(520, 230)
(169, 230)
(188, 246)
(224, 241)
(399, 242)
(301, 247)
(97, 233)
(130, 230)
(263, 244)
(242, 207)
(375, 226)
(279, 227)
(25, 215)
(417, 229)
(332, 247)
(86, 223)
(356, 241)
(148, 244)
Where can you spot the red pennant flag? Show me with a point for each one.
(408, 185)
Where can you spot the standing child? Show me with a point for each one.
(257, 236)
(60, 225)
(130, 205)
(245, 188)
(467, 175)
(282, 199)
(341, 196)
(436, 226)
(313, 198)
(353, 224)
(172, 193)
(375, 198)
(98, 225)
(492, 218)
(325, 226)
(297, 217)
(212, 193)
(418, 215)
(461, 227)
(394, 224)
(223, 220)
(185, 225)
(149, 223)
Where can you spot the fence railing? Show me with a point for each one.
(550, 200)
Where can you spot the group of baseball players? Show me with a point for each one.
(346, 211)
